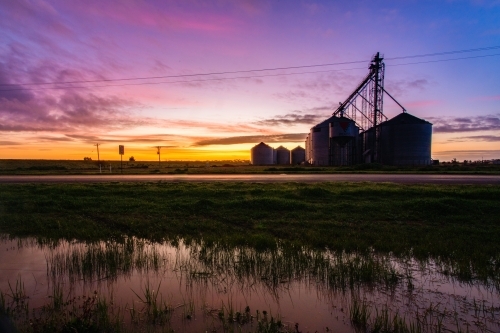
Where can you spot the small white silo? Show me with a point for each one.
(282, 155)
(262, 154)
(297, 155)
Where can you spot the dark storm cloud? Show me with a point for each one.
(293, 137)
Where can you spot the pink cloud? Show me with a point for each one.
(163, 15)
(213, 126)
(465, 124)
(70, 112)
(402, 87)
(291, 137)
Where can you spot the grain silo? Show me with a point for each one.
(308, 148)
(405, 140)
(343, 141)
(297, 155)
(282, 155)
(319, 139)
(262, 154)
(366, 144)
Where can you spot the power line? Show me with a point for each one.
(186, 75)
(444, 60)
(242, 77)
(186, 81)
(251, 70)
(445, 53)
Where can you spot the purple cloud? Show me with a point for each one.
(293, 137)
(484, 138)
(153, 138)
(67, 112)
(9, 143)
(291, 119)
(308, 117)
(461, 124)
(401, 87)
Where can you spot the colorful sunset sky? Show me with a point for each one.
(76, 73)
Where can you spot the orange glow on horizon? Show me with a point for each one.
(109, 151)
(442, 149)
(142, 154)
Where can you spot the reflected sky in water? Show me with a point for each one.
(312, 288)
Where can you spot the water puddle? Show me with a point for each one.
(136, 285)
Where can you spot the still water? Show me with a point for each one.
(198, 287)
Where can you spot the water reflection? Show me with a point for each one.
(135, 284)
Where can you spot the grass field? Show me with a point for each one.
(451, 229)
(64, 167)
(460, 223)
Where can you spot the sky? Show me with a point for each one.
(126, 72)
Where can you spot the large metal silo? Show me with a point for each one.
(297, 155)
(282, 155)
(319, 143)
(343, 141)
(262, 154)
(307, 145)
(366, 142)
(405, 140)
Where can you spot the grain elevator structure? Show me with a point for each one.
(359, 132)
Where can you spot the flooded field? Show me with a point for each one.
(136, 285)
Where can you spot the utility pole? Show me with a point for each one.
(159, 155)
(121, 151)
(98, 158)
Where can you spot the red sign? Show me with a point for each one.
(344, 125)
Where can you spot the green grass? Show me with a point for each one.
(71, 167)
(457, 224)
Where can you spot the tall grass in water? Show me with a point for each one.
(373, 319)
(212, 262)
(359, 313)
(383, 321)
(93, 313)
(233, 320)
(104, 260)
(286, 263)
(239, 268)
(63, 314)
(154, 310)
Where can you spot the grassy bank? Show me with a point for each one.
(445, 221)
(71, 167)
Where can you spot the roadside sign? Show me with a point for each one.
(121, 149)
